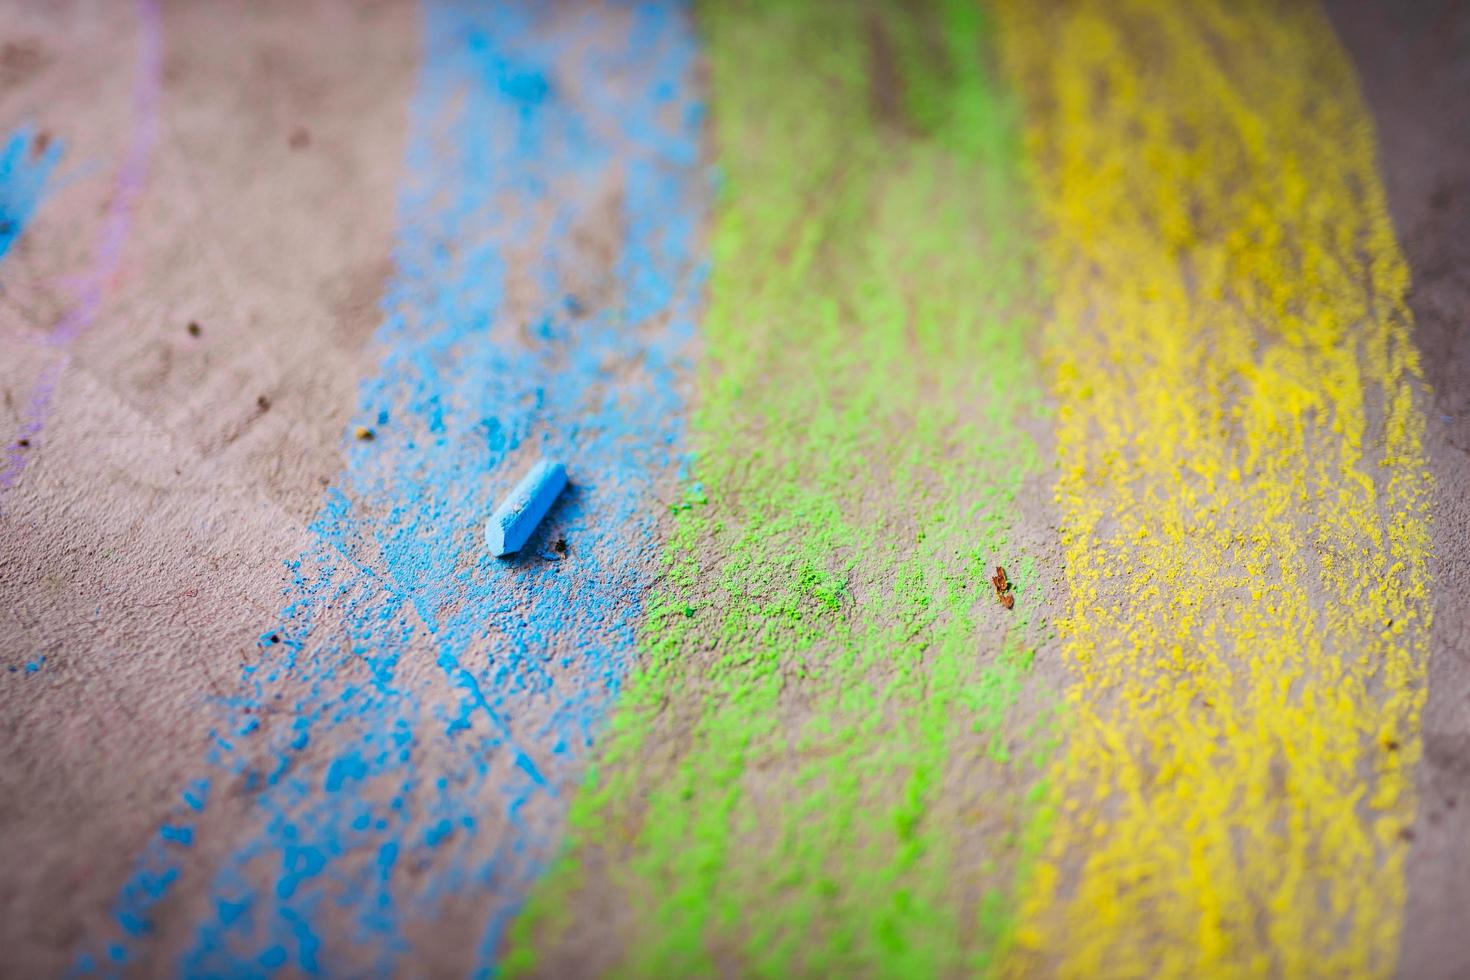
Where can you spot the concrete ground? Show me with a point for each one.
(192, 329)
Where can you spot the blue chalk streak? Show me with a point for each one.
(177, 835)
(23, 176)
(434, 687)
(518, 515)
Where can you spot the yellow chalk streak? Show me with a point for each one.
(1243, 492)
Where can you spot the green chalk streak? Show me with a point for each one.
(816, 764)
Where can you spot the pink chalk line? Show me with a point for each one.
(99, 279)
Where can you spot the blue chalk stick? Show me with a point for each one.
(519, 513)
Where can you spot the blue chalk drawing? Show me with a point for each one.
(508, 529)
(181, 835)
(459, 692)
(23, 176)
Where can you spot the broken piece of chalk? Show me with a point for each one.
(519, 513)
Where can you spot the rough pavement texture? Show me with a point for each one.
(1413, 62)
(141, 549)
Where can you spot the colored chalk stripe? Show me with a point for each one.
(405, 736)
(805, 774)
(1242, 490)
(25, 167)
